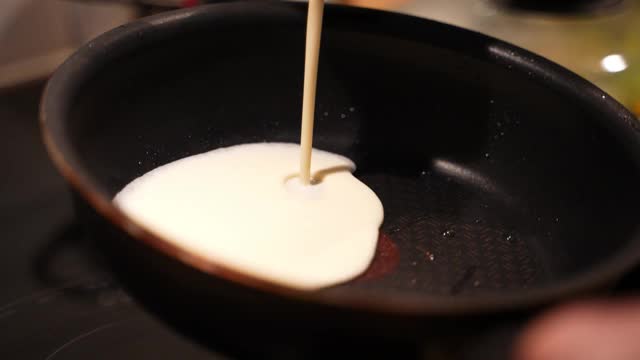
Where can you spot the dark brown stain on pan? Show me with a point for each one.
(385, 260)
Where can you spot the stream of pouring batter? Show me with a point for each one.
(314, 34)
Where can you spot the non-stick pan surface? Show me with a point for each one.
(508, 182)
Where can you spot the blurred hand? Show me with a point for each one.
(604, 330)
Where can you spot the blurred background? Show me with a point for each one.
(599, 39)
(37, 35)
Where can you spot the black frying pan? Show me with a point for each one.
(508, 182)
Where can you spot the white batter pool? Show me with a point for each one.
(245, 207)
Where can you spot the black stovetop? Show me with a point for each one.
(56, 300)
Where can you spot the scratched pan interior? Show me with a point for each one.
(507, 182)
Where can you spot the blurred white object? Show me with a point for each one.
(613, 63)
(36, 35)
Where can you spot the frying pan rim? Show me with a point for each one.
(52, 110)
